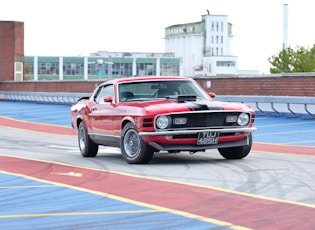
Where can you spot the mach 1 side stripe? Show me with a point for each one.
(239, 209)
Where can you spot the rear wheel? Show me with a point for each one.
(134, 150)
(237, 152)
(87, 147)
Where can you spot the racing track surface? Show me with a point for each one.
(46, 184)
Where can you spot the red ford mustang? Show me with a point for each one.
(145, 115)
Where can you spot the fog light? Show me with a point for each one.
(180, 121)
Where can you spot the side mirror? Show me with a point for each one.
(108, 99)
(212, 95)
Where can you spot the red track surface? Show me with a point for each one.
(236, 208)
(243, 210)
(36, 127)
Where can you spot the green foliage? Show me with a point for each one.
(291, 61)
(27, 68)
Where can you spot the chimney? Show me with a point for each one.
(285, 26)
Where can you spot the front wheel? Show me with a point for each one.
(87, 147)
(134, 150)
(237, 152)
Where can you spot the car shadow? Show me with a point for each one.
(164, 158)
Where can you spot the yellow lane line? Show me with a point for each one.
(78, 213)
(286, 145)
(36, 123)
(34, 186)
(40, 132)
(278, 153)
(298, 142)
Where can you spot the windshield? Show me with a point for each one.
(151, 90)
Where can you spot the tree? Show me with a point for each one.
(288, 60)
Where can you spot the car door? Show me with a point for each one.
(102, 115)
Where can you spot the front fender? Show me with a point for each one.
(127, 119)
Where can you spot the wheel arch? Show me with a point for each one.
(126, 120)
(86, 122)
(79, 120)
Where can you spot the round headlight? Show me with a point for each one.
(162, 122)
(243, 119)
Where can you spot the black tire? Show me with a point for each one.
(134, 150)
(87, 147)
(237, 152)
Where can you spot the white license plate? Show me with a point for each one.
(207, 138)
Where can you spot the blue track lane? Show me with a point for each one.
(29, 204)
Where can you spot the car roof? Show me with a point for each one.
(155, 78)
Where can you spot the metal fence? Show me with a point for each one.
(277, 104)
(42, 97)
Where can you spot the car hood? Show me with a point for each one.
(169, 106)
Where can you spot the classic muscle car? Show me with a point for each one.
(145, 115)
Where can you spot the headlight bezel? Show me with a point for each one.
(163, 122)
(243, 119)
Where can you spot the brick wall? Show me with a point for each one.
(272, 86)
(11, 47)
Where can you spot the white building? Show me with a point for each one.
(205, 46)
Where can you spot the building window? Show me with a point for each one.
(48, 70)
(146, 69)
(169, 69)
(122, 69)
(221, 26)
(212, 26)
(217, 26)
(118, 69)
(73, 68)
(226, 63)
(221, 39)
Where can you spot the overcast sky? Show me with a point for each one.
(81, 27)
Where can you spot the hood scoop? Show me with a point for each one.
(182, 98)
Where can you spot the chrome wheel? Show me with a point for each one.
(82, 138)
(134, 150)
(87, 147)
(132, 143)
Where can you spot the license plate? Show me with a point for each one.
(207, 138)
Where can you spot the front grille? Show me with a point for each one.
(203, 120)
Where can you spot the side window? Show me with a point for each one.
(105, 91)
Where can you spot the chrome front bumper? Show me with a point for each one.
(195, 131)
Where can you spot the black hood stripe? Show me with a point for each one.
(201, 106)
